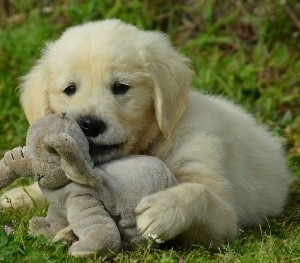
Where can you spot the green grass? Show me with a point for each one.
(246, 51)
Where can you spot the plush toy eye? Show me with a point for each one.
(120, 88)
(70, 90)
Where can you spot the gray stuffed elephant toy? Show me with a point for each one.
(96, 204)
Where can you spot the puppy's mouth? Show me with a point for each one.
(99, 149)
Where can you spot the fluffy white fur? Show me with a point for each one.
(230, 169)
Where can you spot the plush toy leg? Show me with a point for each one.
(39, 226)
(48, 226)
(7, 176)
(95, 229)
(129, 234)
(15, 164)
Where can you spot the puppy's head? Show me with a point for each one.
(124, 86)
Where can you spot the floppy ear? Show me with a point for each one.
(171, 79)
(33, 90)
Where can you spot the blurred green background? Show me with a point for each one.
(247, 51)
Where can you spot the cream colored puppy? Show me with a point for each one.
(130, 92)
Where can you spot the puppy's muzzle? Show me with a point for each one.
(91, 126)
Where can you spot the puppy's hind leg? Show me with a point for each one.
(23, 197)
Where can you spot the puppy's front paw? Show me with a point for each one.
(159, 214)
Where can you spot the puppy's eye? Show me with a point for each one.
(70, 90)
(120, 88)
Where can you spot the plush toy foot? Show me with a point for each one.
(19, 162)
(82, 249)
(39, 226)
(66, 235)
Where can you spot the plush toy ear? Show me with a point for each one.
(77, 169)
(171, 79)
(33, 89)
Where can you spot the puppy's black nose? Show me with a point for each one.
(91, 126)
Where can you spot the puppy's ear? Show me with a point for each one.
(33, 90)
(171, 79)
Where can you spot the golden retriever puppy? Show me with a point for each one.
(129, 90)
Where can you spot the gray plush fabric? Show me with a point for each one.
(92, 206)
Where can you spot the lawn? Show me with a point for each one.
(247, 51)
